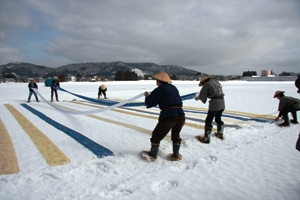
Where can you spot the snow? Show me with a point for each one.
(257, 161)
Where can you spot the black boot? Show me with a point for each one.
(206, 137)
(153, 151)
(219, 133)
(175, 156)
(294, 120)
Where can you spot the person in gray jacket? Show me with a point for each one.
(212, 89)
(286, 105)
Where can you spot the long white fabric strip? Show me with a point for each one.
(90, 111)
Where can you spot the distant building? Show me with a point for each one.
(266, 72)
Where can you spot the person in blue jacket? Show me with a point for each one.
(32, 84)
(171, 117)
(55, 83)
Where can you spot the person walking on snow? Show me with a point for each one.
(55, 83)
(102, 90)
(32, 84)
(171, 117)
(287, 104)
(212, 89)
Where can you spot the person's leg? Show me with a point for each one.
(220, 124)
(56, 95)
(160, 131)
(208, 127)
(51, 94)
(36, 97)
(284, 112)
(294, 120)
(29, 96)
(175, 136)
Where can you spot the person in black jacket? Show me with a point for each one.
(286, 105)
(32, 84)
(102, 90)
(297, 83)
(171, 117)
(55, 83)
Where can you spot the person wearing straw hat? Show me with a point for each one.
(55, 83)
(32, 84)
(171, 117)
(212, 89)
(287, 104)
(102, 90)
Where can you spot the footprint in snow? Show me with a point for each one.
(160, 185)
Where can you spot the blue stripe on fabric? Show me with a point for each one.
(234, 117)
(96, 148)
(110, 102)
(184, 97)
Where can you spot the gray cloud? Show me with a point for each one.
(219, 37)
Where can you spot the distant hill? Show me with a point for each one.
(100, 69)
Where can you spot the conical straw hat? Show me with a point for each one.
(103, 87)
(203, 79)
(162, 76)
(277, 93)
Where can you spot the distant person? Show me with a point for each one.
(32, 84)
(171, 116)
(55, 83)
(102, 90)
(212, 89)
(297, 83)
(287, 104)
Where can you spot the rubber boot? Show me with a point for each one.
(206, 137)
(176, 148)
(220, 130)
(294, 120)
(154, 150)
(175, 156)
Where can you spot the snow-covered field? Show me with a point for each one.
(257, 160)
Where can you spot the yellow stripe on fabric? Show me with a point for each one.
(8, 158)
(52, 154)
(246, 114)
(140, 129)
(141, 115)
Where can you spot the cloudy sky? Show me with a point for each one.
(211, 36)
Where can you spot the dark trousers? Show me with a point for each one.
(163, 127)
(54, 91)
(284, 112)
(100, 92)
(30, 94)
(214, 114)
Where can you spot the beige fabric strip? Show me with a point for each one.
(8, 158)
(52, 154)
